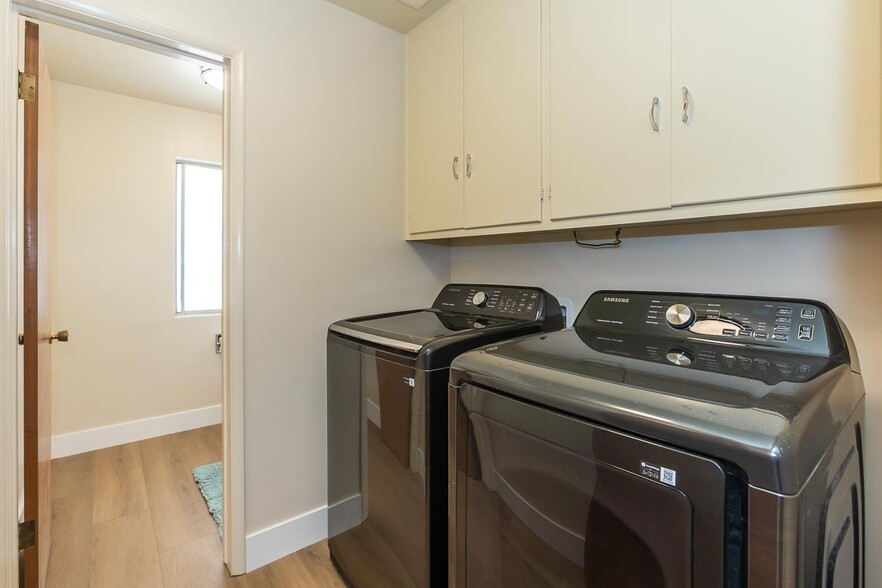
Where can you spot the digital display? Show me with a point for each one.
(762, 311)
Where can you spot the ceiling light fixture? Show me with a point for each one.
(417, 4)
(212, 76)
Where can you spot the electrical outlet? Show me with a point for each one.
(566, 307)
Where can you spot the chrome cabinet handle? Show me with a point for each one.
(468, 165)
(455, 164)
(685, 104)
(652, 108)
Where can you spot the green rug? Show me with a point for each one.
(210, 480)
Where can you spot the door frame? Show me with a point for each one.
(156, 37)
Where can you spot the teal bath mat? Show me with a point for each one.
(210, 480)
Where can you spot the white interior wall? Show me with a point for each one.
(324, 182)
(833, 257)
(112, 281)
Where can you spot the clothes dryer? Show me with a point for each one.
(666, 440)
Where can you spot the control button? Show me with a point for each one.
(729, 332)
(784, 368)
(782, 328)
(806, 332)
(760, 335)
(680, 316)
(785, 312)
(679, 357)
(782, 320)
(480, 299)
(778, 337)
(807, 313)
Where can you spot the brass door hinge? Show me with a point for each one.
(27, 86)
(27, 535)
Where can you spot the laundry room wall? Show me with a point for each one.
(832, 257)
(323, 226)
(112, 272)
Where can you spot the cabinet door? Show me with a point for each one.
(435, 165)
(783, 97)
(610, 78)
(503, 112)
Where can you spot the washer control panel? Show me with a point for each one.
(495, 301)
(793, 325)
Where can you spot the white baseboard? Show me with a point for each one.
(268, 545)
(122, 433)
(373, 412)
(344, 515)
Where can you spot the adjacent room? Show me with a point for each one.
(132, 161)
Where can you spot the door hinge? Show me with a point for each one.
(21, 338)
(27, 535)
(27, 86)
(541, 193)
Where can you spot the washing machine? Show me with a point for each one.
(387, 426)
(665, 440)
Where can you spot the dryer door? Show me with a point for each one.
(543, 499)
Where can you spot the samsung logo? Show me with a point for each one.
(614, 299)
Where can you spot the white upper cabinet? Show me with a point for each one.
(783, 97)
(435, 139)
(610, 106)
(502, 86)
(640, 111)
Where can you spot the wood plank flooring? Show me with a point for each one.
(132, 516)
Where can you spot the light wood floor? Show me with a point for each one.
(132, 516)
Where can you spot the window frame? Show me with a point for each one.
(180, 196)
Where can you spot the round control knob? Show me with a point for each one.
(680, 316)
(679, 357)
(480, 299)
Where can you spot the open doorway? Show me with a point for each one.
(132, 159)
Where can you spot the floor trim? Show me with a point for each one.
(268, 545)
(122, 433)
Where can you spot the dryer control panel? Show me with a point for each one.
(795, 326)
(497, 301)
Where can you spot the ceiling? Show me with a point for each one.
(394, 14)
(94, 62)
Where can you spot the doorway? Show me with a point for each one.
(230, 157)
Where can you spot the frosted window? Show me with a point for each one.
(200, 237)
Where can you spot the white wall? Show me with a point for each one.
(833, 257)
(324, 171)
(112, 281)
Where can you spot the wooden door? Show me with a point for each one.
(783, 97)
(502, 112)
(610, 80)
(435, 164)
(37, 370)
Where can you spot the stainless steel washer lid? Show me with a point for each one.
(411, 331)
